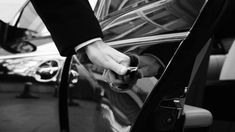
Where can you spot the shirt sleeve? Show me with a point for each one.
(78, 47)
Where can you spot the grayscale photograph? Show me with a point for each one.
(117, 65)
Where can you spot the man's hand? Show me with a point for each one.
(121, 83)
(125, 82)
(107, 57)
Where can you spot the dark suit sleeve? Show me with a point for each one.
(70, 22)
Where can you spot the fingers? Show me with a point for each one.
(108, 57)
(109, 63)
(118, 62)
(119, 57)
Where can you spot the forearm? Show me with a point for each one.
(70, 22)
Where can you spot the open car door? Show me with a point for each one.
(162, 109)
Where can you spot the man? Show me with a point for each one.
(75, 29)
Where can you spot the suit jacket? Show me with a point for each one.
(70, 22)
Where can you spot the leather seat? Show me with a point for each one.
(221, 66)
(196, 117)
(220, 83)
(228, 70)
(215, 65)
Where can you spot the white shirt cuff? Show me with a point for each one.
(86, 43)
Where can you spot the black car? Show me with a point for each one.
(185, 44)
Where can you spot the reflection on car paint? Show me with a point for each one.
(128, 25)
(138, 18)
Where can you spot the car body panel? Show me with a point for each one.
(133, 26)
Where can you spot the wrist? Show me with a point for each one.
(99, 44)
(82, 47)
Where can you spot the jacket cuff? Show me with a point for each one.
(80, 46)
